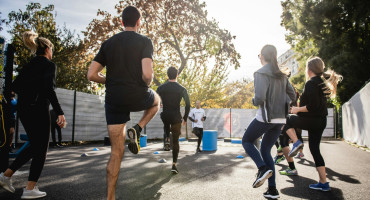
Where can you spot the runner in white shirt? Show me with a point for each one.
(197, 116)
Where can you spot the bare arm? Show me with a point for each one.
(94, 73)
(296, 110)
(147, 66)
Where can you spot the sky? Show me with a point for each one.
(254, 23)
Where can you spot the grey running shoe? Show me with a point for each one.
(32, 194)
(6, 183)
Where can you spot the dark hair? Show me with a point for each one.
(172, 72)
(269, 53)
(130, 15)
(36, 44)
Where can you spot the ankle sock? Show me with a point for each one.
(291, 165)
(138, 127)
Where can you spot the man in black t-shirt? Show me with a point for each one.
(171, 94)
(127, 57)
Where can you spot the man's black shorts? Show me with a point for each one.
(121, 114)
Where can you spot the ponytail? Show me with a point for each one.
(29, 38)
(36, 44)
(330, 77)
(269, 54)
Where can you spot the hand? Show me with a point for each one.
(183, 123)
(195, 121)
(61, 121)
(202, 119)
(294, 110)
(11, 131)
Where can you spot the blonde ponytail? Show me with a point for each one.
(29, 38)
(330, 77)
(36, 44)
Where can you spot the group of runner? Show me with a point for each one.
(128, 59)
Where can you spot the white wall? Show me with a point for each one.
(356, 118)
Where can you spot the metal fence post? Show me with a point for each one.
(74, 116)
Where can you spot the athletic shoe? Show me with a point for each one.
(166, 147)
(271, 193)
(198, 150)
(319, 186)
(134, 135)
(262, 175)
(278, 159)
(6, 183)
(32, 194)
(289, 172)
(296, 148)
(174, 169)
(280, 150)
(300, 155)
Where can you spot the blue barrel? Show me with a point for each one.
(143, 140)
(209, 140)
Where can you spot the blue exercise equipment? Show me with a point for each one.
(23, 137)
(209, 140)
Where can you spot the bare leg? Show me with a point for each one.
(150, 113)
(8, 173)
(117, 136)
(30, 185)
(291, 133)
(286, 154)
(322, 173)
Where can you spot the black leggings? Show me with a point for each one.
(175, 129)
(36, 122)
(315, 127)
(284, 138)
(199, 133)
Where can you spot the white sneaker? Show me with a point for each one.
(32, 194)
(6, 183)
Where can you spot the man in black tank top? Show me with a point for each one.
(171, 94)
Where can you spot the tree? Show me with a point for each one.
(68, 52)
(182, 36)
(337, 31)
(239, 94)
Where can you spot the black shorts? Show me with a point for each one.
(121, 114)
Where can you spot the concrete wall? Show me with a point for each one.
(91, 125)
(356, 118)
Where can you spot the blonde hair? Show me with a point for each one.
(330, 77)
(36, 44)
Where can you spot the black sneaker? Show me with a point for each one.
(167, 146)
(262, 175)
(199, 151)
(134, 135)
(271, 193)
(174, 169)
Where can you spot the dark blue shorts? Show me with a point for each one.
(121, 114)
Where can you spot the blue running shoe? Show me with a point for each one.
(296, 147)
(278, 159)
(319, 186)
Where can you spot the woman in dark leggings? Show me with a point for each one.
(311, 115)
(35, 88)
(272, 92)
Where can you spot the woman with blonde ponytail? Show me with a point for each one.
(311, 115)
(35, 88)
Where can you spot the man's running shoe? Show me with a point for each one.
(319, 186)
(300, 155)
(271, 193)
(278, 159)
(198, 150)
(6, 183)
(134, 135)
(296, 148)
(262, 175)
(289, 172)
(174, 169)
